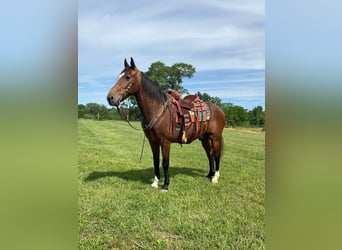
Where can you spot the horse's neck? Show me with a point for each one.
(148, 103)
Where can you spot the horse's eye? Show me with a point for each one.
(127, 77)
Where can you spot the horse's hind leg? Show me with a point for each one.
(166, 156)
(218, 146)
(207, 145)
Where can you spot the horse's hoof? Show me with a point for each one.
(154, 185)
(155, 182)
(164, 190)
(214, 180)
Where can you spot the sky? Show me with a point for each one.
(223, 39)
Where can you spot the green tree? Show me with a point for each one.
(113, 114)
(167, 77)
(235, 115)
(92, 109)
(226, 107)
(97, 111)
(81, 110)
(257, 117)
(103, 113)
(207, 98)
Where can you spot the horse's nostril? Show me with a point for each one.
(109, 98)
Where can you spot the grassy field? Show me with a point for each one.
(119, 210)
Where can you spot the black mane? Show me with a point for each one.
(152, 89)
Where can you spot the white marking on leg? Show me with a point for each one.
(214, 180)
(155, 182)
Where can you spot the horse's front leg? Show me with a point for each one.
(166, 155)
(155, 152)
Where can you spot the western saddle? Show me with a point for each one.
(190, 116)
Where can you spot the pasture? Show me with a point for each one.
(119, 210)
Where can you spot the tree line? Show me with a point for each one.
(171, 77)
(237, 116)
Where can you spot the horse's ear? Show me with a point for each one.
(126, 64)
(132, 64)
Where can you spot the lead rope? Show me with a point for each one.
(126, 119)
(142, 149)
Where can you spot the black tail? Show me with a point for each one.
(222, 146)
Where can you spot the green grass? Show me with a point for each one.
(119, 210)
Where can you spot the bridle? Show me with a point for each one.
(122, 94)
(125, 91)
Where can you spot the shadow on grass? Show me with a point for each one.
(144, 175)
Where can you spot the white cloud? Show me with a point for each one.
(174, 31)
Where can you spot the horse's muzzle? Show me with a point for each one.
(113, 100)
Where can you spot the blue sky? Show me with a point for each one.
(223, 39)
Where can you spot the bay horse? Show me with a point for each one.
(156, 110)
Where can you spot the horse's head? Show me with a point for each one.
(127, 84)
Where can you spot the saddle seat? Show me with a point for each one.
(187, 101)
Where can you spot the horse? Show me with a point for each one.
(157, 112)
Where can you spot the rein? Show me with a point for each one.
(126, 119)
(153, 121)
(150, 125)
